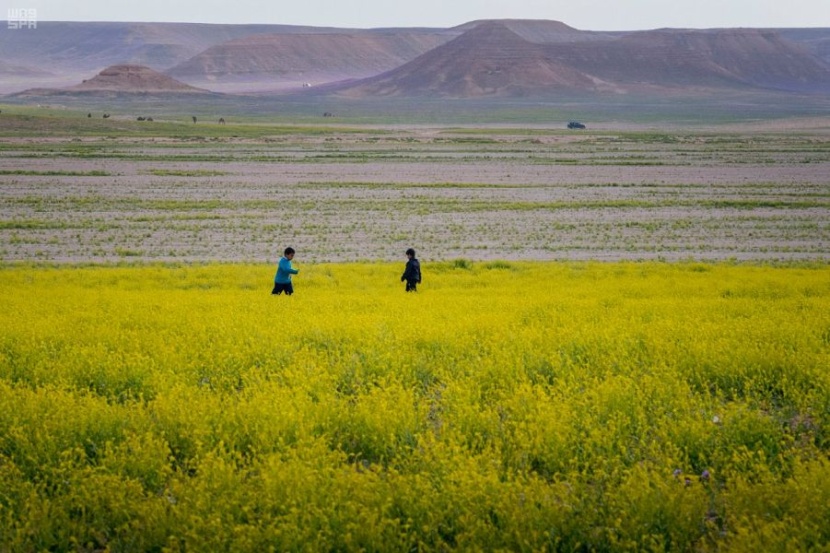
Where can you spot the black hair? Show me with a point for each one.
(288, 251)
(411, 252)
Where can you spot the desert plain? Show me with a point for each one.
(73, 189)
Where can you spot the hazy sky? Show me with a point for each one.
(582, 14)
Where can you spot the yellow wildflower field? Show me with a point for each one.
(505, 406)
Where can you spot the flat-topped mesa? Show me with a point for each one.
(135, 78)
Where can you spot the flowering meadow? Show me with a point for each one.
(505, 406)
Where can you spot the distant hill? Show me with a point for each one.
(542, 31)
(500, 58)
(816, 40)
(135, 78)
(292, 60)
(66, 52)
(491, 59)
(95, 45)
(120, 80)
(10, 69)
(708, 58)
(487, 60)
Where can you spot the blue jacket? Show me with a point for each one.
(284, 271)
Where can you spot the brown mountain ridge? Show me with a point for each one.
(120, 80)
(488, 60)
(493, 60)
(135, 78)
(709, 58)
(291, 60)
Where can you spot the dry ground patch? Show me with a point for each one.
(348, 194)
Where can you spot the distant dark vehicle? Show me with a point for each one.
(575, 125)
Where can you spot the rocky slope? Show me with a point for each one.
(291, 60)
(492, 60)
(504, 58)
(123, 79)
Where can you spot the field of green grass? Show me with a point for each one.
(677, 109)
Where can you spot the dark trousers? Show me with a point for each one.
(280, 287)
(411, 286)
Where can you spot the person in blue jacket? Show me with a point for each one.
(412, 272)
(282, 280)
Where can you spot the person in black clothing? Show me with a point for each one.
(412, 273)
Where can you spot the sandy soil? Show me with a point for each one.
(761, 195)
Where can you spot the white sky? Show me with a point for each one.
(598, 15)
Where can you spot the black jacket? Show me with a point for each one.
(412, 273)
